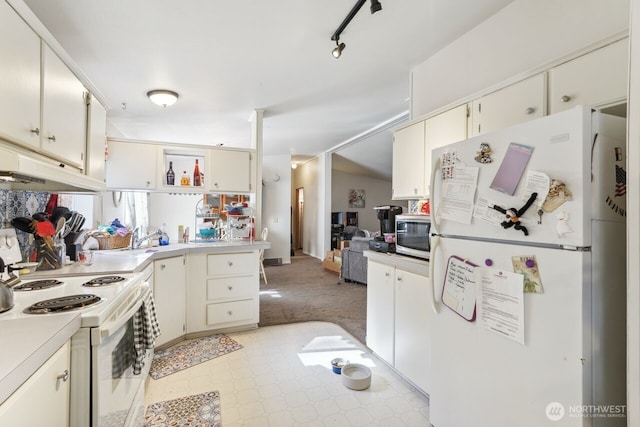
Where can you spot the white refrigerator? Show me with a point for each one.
(554, 355)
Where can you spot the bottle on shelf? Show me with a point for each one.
(197, 178)
(185, 180)
(171, 176)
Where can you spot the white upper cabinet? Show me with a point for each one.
(513, 104)
(20, 82)
(445, 128)
(131, 165)
(595, 79)
(229, 171)
(64, 111)
(408, 179)
(96, 139)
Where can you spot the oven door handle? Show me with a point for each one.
(110, 327)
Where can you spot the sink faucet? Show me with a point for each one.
(137, 241)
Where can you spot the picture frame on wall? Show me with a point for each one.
(356, 198)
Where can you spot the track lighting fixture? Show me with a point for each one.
(375, 7)
(337, 51)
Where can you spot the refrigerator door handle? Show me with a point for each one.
(432, 194)
(435, 242)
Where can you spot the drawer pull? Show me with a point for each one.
(386, 273)
(230, 313)
(52, 138)
(230, 263)
(565, 98)
(163, 266)
(63, 376)
(36, 131)
(399, 279)
(230, 288)
(530, 110)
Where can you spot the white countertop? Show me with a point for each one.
(413, 265)
(29, 342)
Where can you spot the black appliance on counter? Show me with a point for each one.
(387, 217)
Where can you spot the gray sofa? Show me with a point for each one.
(354, 263)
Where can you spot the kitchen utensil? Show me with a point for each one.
(60, 227)
(23, 267)
(23, 224)
(60, 212)
(6, 293)
(40, 216)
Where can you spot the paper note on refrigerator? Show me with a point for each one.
(456, 202)
(459, 289)
(501, 303)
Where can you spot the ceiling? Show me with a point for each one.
(229, 58)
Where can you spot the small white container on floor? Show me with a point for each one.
(356, 376)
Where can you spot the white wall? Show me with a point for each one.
(633, 225)
(314, 177)
(276, 205)
(173, 210)
(377, 191)
(522, 36)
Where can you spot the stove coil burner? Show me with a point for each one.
(62, 304)
(37, 284)
(102, 281)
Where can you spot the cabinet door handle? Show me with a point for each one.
(530, 110)
(148, 183)
(230, 288)
(63, 376)
(162, 267)
(565, 98)
(399, 279)
(230, 263)
(230, 313)
(36, 131)
(386, 273)
(52, 138)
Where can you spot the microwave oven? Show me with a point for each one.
(412, 235)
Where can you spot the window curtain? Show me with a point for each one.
(136, 210)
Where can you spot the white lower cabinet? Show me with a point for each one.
(398, 326)
(412, 327)
(223, 291)
(43, 400)
(169, 294)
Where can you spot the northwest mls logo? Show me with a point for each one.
(555, 411)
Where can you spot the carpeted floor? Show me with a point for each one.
(304, 291)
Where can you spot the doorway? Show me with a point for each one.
(299, 216)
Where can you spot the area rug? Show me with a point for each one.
(199, 410)
(183, 356)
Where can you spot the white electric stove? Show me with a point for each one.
(105, 391)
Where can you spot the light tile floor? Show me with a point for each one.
(282, 377)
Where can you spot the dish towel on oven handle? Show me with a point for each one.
(145, 329)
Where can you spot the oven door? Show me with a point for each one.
(114, 385)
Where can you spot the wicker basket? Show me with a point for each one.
(113, 242)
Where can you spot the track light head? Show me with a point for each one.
(337, 51)
(375, 6)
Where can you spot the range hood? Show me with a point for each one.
(24, 171)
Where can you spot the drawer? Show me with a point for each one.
(240, 264)
(231, 312)
(231, 287)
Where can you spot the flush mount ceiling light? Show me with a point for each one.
(294, 165)
(375, 7)
(163, 97)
